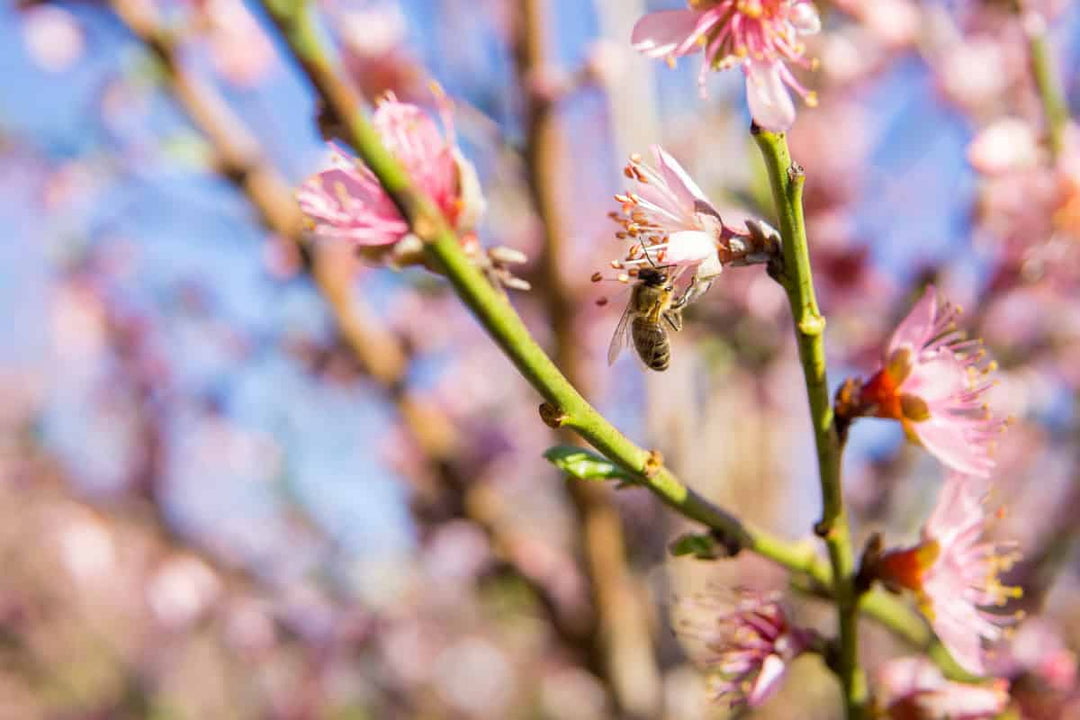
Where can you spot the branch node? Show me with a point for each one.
(868, 564)
(552, 416)
(812, 325)
(732, 545)
(653, 464)
(795, 172)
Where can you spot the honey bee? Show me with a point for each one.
(652, 303)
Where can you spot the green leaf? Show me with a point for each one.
(701, 546)
(585, 465)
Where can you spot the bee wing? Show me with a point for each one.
(621, 338)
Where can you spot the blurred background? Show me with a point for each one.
(242, 477)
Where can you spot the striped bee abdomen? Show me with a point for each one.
(652, 343)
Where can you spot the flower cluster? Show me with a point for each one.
(748, 645)
(761, 36)
(931, 379)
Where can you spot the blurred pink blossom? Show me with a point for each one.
(1039, 648)
(974, 72)
(181, 590)
(933, 380)
(53, 37)
(893, 23)
(347, 202)
(913, 688)
(240, 50)
(954, 575)
(749, 644)
(759, 35)
(1005, 145)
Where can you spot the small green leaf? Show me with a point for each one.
(701, 546)
(585, 465)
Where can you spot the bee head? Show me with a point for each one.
(652, 276)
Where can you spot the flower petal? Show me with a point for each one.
(804, 17)
(661, 33)
(770, 103)
(946, 439)
(916, 329)
(689, 247)
(767, 682)
(678, 179)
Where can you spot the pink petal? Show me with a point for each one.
(962, 642)
(770, 102)
(945, 438)
(768, 681)
(678, 179)
(661, 33)
(915, 329)
(936, 379)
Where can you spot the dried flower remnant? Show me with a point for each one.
(748, 641)
(913, 688)
(954, 574)
(933, 381)
(346, 202)
(761, 36)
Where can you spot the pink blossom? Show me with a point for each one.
(748, 645)
(933, 380)
(913, 688)
(669, 219)
(347, 202)
(760, 35)
(954, 574)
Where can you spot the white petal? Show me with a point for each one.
(768, 681)
(770, 103)
(689, 247)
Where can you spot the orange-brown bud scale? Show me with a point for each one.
(905, 568)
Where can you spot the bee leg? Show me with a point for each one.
(684, 299)
(674, 318)
(693, 292)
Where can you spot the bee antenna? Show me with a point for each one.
(648, 256)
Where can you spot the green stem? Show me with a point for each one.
(564, 404)
(786, 179)
(1047, 84)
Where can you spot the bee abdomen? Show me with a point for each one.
(652, 344)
